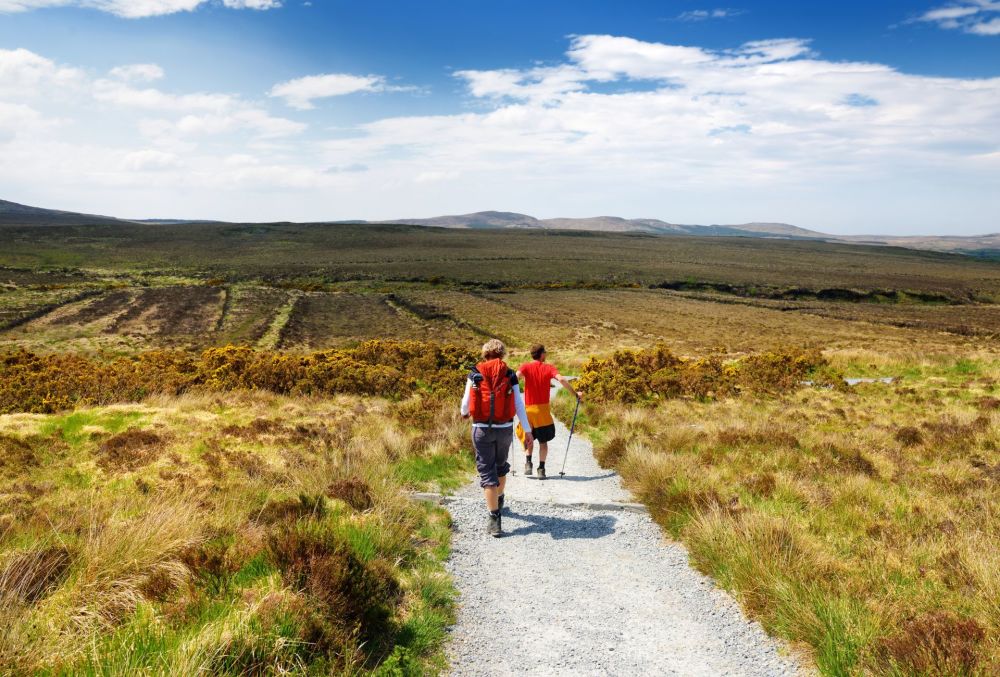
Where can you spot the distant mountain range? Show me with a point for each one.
(611, 224)
(12, 213)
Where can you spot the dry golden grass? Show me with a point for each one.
(863, 524)
(226, 533)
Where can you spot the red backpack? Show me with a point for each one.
(491, 398)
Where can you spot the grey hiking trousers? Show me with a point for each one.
(492, 447)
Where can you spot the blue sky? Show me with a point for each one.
(846, 117)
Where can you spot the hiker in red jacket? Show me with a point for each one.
(492, 398)
(538, 376)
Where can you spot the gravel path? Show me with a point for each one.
(573, 590)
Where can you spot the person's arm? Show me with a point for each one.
(566, 384)
(465, 398)
(522, 414)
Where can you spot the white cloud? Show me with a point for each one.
(301, 92)
(768, 130)
(137, 72)
(23, 72)
(260, 123)
(123, 94)
(767, 117)
(149, 159)
(978, 17)
(706, 14)
(134, 9)
(991, 27)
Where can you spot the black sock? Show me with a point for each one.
(495, 513)
(541, 464)
(527, 459)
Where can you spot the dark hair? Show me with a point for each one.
(536, 351)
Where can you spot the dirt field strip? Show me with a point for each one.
(582, 583)
(272, 338)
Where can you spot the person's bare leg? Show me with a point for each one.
(543, 451)
(503, 484)
(492, 495)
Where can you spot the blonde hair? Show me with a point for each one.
(494, 349)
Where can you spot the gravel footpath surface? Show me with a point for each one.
(597, 590)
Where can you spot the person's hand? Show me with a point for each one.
(464, 416)
(579, 397)
(529, 439)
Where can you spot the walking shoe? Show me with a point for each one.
(527, 468)
(493, 526)
(541, 473)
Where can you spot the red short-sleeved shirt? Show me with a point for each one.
(537, 380)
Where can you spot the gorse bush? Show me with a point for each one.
(38, 383)
(631, 376)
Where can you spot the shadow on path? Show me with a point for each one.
(580, 478)
(560, 528)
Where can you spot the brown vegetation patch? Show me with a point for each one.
(988, 403)
(740, 437)
(909, 436)
(354, 491)
(107, 304)
(182, 312)
(255, 429)
(991, 471)
(16, 453)
(291, 509)
(948, 431)
(848, 460)
(760, 484)
(355, 595)
(158, 586)
(129, 450)
(28, 576)
(936, 643)
(208, 559)
(611, 453)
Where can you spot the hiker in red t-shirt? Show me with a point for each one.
(538, 376)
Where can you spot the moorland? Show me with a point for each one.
(224, 374)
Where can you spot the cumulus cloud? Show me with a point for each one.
(978, 17)
(137, 72)
(134, 9)
(23, 72)
(769, 129)
(765, 114)
(301, 92)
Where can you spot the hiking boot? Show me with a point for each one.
(493, 526)
(528, 468)
(541, 473)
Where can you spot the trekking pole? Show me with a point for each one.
(572, 427)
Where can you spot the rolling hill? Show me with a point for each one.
(12, 213)
(988, 245)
